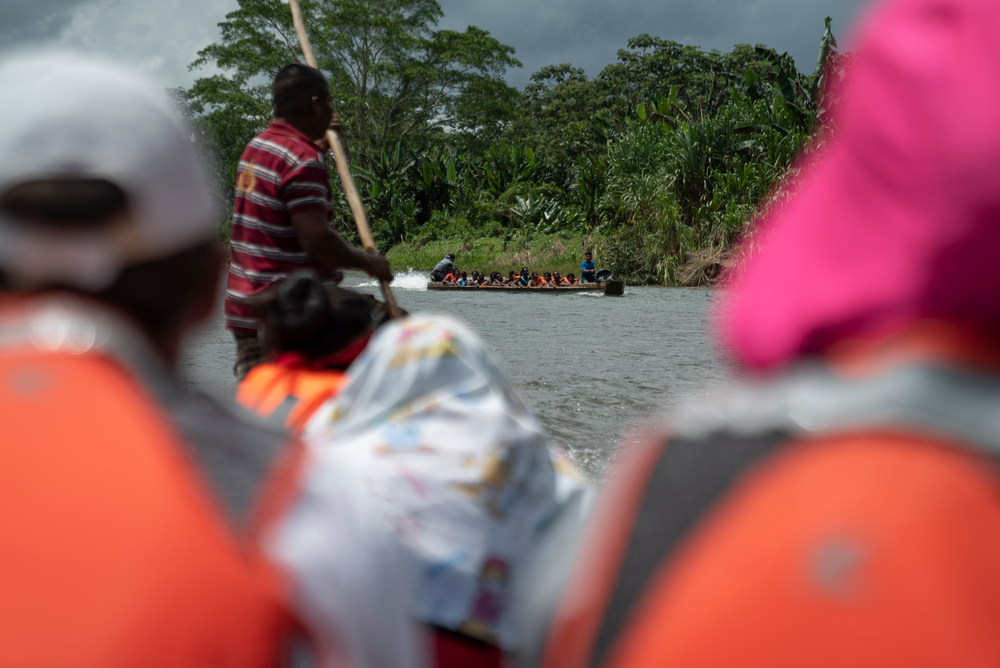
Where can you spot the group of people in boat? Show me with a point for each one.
(393, 503)
(446, 272)
(512, 280)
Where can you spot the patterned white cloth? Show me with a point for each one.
(345, 575)
(453, 464)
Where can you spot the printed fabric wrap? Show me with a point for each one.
(452, 462)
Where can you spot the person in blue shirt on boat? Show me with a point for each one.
(587, 269)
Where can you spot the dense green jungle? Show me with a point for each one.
(659, 163)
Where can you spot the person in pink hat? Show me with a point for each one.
(844, 509)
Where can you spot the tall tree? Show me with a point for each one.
(559, 102)
(649, 66)
(391, 73)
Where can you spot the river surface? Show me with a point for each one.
(589, 366)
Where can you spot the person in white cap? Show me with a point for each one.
(125, 532)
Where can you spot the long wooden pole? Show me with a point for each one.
(343, 169)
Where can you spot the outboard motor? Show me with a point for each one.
(604, 275)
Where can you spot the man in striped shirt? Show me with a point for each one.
(283, 207)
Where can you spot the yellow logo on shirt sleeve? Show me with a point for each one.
(246, 179)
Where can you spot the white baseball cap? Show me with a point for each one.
(66, 115)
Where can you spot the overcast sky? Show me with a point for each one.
(163, 36)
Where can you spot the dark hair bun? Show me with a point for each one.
(302, 315)
(302, 303)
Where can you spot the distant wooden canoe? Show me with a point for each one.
(611, 288)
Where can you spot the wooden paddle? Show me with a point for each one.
(343, 169)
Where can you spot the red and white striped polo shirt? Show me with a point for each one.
(281, 172)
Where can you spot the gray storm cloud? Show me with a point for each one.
(39, 20)
(163, 37)
(588, 33)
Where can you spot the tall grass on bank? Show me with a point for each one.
(541, 253)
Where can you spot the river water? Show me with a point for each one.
(589, 366)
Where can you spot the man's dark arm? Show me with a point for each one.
(325, 245)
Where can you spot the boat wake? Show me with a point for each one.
(410, 279)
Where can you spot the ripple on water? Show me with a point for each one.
(589, 366)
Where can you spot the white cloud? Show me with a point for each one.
(161, 38)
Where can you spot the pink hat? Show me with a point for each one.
(901, 219)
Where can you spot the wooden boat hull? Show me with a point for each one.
(611, 288)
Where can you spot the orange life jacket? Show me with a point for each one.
(269, 385)
(112, 551)
(836, 519)
(566, 281)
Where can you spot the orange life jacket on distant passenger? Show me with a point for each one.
(270, 385)
(297, 384)
(113, 553)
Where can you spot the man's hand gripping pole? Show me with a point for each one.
(343, 169)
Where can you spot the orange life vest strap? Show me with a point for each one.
(833, 539)
(112, 553)
(268, 385)
(764, 542)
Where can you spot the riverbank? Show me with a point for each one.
(541, 253)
